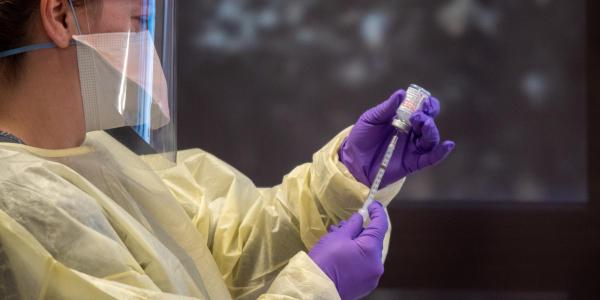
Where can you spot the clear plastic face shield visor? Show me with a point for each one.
(125, 53)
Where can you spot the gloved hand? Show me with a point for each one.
(363, 150)
(351, 255)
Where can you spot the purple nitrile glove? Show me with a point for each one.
(351, 255)
(363, 150)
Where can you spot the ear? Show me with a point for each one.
(58, 21)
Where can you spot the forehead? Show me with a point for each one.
(116, 8)
(125, 6)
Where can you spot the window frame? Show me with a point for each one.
(507, 245)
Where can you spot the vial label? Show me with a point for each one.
(415, 96)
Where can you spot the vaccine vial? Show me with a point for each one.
(415, 95)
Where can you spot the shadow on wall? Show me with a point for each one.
(392, 294)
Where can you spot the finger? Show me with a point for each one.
(431, 107)
(353, 227)
(430, 136)
(417, 120)
(375, 231)
(384, 112)
(438, 154)
(332, 228)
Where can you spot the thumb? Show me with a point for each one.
(435, 156)
(353, 227)
(384, 112)
(376, 230)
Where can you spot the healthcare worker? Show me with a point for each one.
(82, 216)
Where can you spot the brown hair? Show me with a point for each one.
(14, 24)
(15, 17)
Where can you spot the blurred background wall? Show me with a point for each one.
(265, 83)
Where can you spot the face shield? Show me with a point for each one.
(125, 54)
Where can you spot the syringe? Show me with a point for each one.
(415, 95)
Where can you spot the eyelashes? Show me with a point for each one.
(142, 20)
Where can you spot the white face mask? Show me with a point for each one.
(122, 81)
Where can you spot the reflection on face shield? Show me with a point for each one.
(122, 67)
(125, 79)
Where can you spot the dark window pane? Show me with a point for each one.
(266, 83)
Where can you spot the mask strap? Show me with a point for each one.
(36, 47)
(30, 48)
(75, 16)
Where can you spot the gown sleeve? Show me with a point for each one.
(256, 234)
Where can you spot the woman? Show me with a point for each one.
(84, 217)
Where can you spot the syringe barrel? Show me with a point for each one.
(380, 173)
(415, 96)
